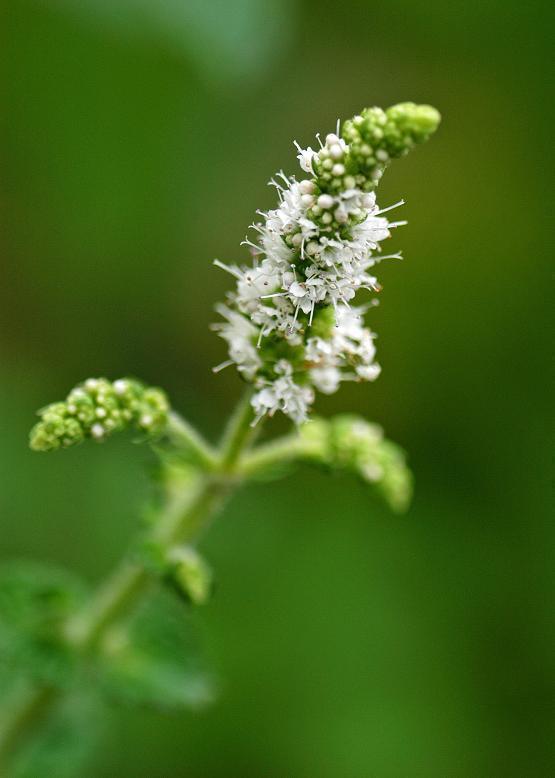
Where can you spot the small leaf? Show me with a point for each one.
(182, 567)
(63, 743)
(190, 573)
(35, 600)
(155, 660)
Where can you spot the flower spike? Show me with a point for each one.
(291, 325)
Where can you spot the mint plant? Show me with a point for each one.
(294, 326)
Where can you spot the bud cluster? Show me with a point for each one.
(97, 408)
(289, 323)
(349, 442)
(375, 137)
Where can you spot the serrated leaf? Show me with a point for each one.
(155, 660)
(62, 743)
(35, 600)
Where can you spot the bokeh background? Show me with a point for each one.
(137, 139)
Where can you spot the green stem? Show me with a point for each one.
(29, 706)
(184, 516)
(278, 452)
(239, 433)
(185, 436)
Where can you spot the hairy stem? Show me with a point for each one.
(274, 454)
(185, 436)
(185, 514)
(130, 579)
(239, 433)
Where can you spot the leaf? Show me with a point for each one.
(228, 40)
(180, 567)
(35, 600)
(190, 574)
(155, 661)
(63, 743)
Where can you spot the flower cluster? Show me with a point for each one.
(290, 324)
(97, 408)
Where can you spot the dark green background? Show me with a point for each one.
(137, 141)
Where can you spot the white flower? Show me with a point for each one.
(326, 379)
(368, 372)
(240, 335)
(285, 395)
(279, 317)
(285, 218)
(355, 342)
(305, 157)
(350, 346)
(254, 284)
(278, 253)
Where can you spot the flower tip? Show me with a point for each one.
(422, 120)
(428, 118)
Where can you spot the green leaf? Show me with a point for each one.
(35, 600)
(181, 567)
(62, 743)
(190, 574)
(155, 661)
(227, 40)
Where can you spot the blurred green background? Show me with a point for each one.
(138, 137)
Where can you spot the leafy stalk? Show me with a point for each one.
(183, 517)
(291, 331)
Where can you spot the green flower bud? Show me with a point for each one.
(97, 408)
(376, 136)
(417, 122)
